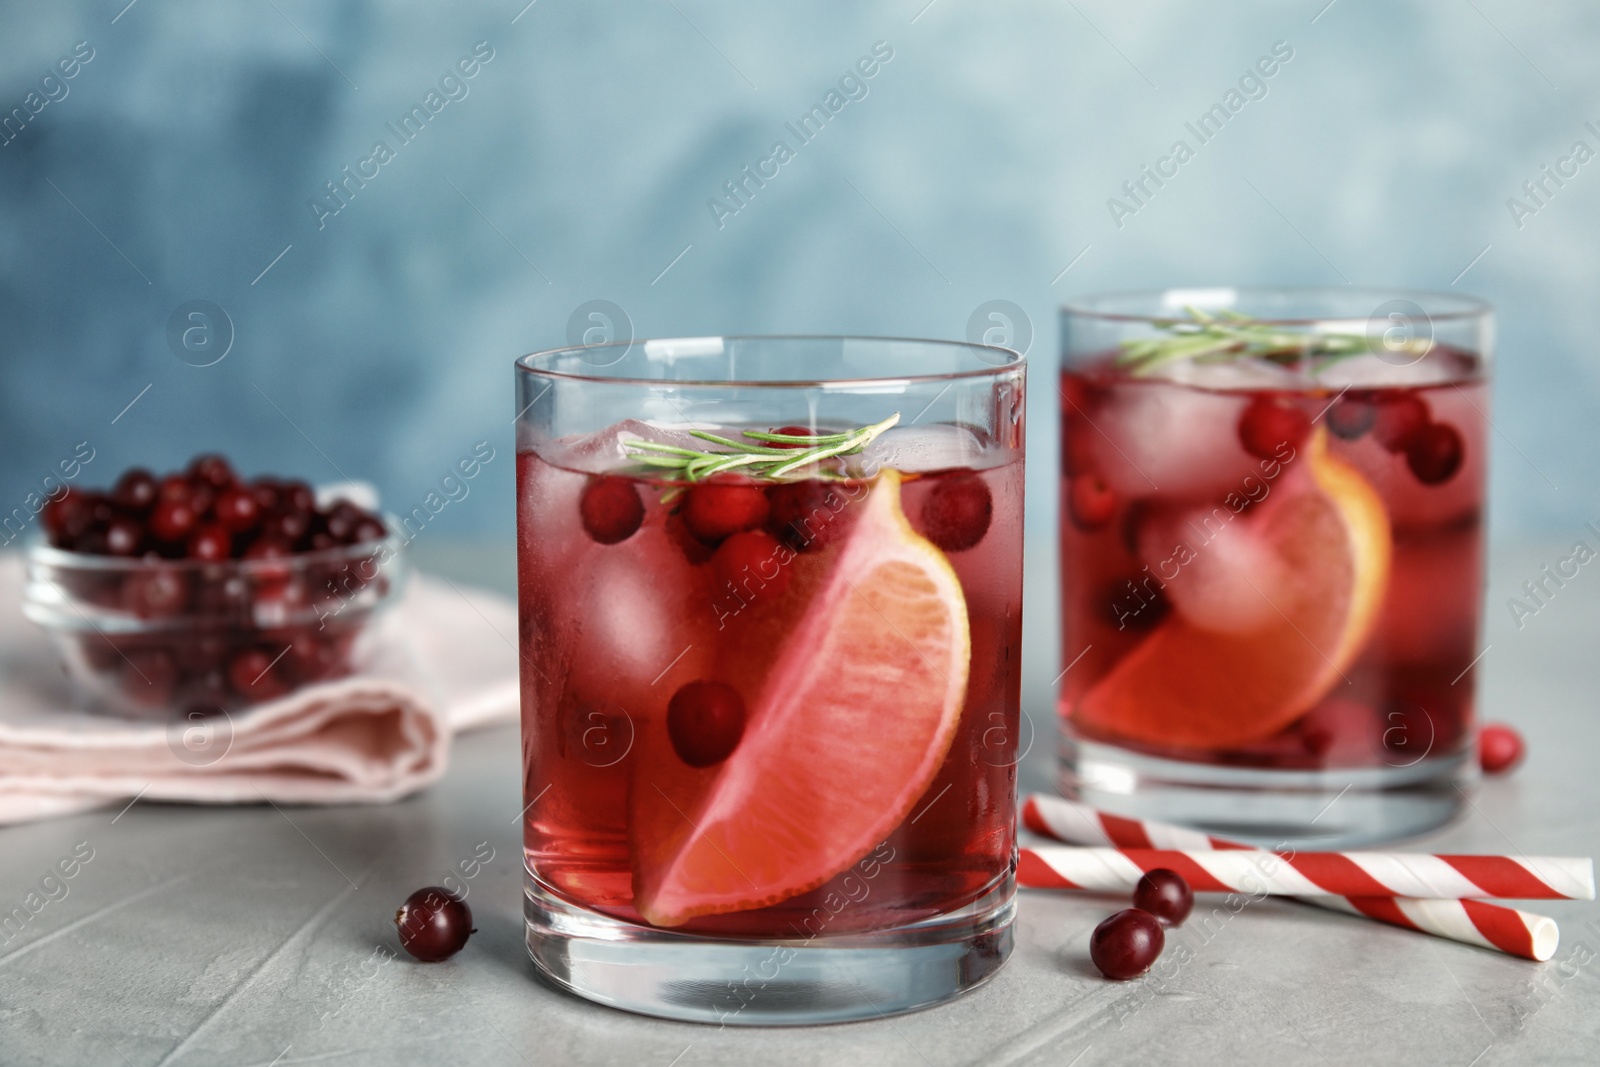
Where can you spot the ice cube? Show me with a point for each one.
(644, 617)
(1155, 437)
(1234, 374)
(941, 446)
(1220, 574)
(604, 450)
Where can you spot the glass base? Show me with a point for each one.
(1334, 808)
(770, 982)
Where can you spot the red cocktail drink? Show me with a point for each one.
(1272, 572)
(771, 686)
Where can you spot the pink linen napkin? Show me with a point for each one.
(441, 659)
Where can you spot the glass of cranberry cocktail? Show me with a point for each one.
(1272, 555)
(770, 630)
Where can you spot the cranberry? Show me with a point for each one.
(68, 518)
(791, 431)
(705, 721)
(714, 510)
(135, 490)
(1090, 502)
(148, 676)
(956, 513)
(1164, 894)
(1434, 452)
(368, 529)
(1350, 417)
(157, 592)
(93, 542)
(753, 564)
(175, 487)
(1500, 748)
(311, 656)
(1399, 415)
(321, 542)
(211, 543)
(265, 491)
(296, 496)
(808, 515)
(271, 579)
(1270, 423)
(211, 469)
(124, 537)
(268, 547)
(610, 509)
(342, 520)
(1126, 944)
(253, 673)
(237, 509)
(173, 520)
(434, 924)
(290, 527)
(205, 651)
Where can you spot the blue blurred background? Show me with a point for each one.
(181, 160)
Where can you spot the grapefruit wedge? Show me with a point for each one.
(853, 718)
(1318, 567)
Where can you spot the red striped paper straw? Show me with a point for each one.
(1326, 873)
(1472, 922)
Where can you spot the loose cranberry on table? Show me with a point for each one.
(434, 924)
(1126, 944)
(1165, 894)
(1500, 748)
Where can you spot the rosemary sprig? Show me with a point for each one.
(756, 456)
(1228, 335)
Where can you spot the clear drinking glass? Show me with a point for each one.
(1272, 557)
(770, 679)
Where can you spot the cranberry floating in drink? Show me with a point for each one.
(1271, 553)
(770, 637)
(201, 591)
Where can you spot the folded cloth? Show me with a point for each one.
(443, 658)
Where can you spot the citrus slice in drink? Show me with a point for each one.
(1318, 567)
(851, 722)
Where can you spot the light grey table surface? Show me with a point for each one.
(255, 936)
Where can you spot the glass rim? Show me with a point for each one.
(40, 552)
(1466, 306)
(1014, 360)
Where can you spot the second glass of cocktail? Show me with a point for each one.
(1272, 553)
(771, 616)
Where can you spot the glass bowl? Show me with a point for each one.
(159, 638)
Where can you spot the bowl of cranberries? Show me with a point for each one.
(203, 591)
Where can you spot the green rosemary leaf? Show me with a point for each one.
(760, 460)
(1229, 334)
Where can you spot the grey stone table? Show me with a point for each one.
(257, 936)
